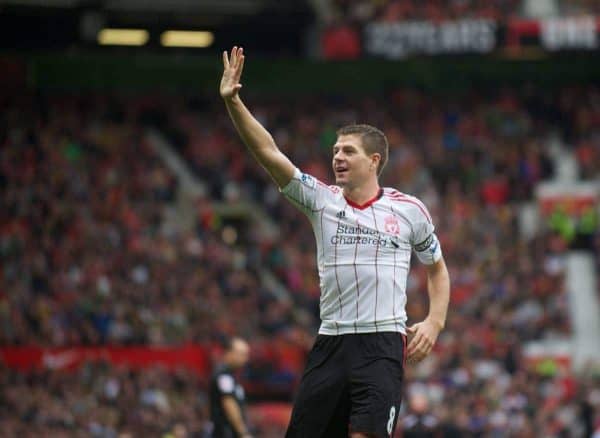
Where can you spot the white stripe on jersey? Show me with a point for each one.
(364, 253)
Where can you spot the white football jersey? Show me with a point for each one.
(363, 253)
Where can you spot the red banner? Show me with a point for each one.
(560, 33)
(265, 415)
(572, 199)
(192, 357)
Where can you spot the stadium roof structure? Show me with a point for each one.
(192, 9)
(60, 24)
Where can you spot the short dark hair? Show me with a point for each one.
(226, 341)
(373, 141)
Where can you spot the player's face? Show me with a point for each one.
(240, 353)
(351, 164)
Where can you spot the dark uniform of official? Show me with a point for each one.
(223, 383)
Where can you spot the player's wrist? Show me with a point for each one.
(436, 322)
(233, 99)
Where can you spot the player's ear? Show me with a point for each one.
(375, 160)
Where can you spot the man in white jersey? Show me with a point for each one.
(365, 236)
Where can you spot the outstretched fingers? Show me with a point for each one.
(239, 68)
(235, 60)
(225, 59)
(233, 64)
(239, 57)
(234, 56)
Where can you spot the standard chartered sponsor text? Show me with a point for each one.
(357, 235)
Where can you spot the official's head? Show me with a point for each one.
(237, 352)
(360, 152)
(418, 403)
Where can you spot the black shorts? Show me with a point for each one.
(352, 383)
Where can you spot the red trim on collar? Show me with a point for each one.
(366, 204)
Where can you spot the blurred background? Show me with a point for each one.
(136, 232)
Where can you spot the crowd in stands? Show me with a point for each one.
(89, 253)
(102, 401)
(579, 7)
(93, 252)
(365, 11)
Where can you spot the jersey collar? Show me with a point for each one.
(366, 204)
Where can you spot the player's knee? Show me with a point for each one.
(362, 435)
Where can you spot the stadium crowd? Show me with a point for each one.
(580, 7)
(89, 254)
(93, 251)
(366, 11)
(99, 400)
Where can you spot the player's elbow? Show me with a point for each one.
(437, 267)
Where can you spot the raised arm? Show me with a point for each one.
(253, 134)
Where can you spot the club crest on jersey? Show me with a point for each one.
(391, 225)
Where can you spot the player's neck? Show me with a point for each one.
(360, 195)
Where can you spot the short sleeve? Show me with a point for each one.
(424, 241)
(226, 384)
(306, 192)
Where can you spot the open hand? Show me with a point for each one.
(424, 334)
(232, 72)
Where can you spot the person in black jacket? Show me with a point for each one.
(227, 398)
